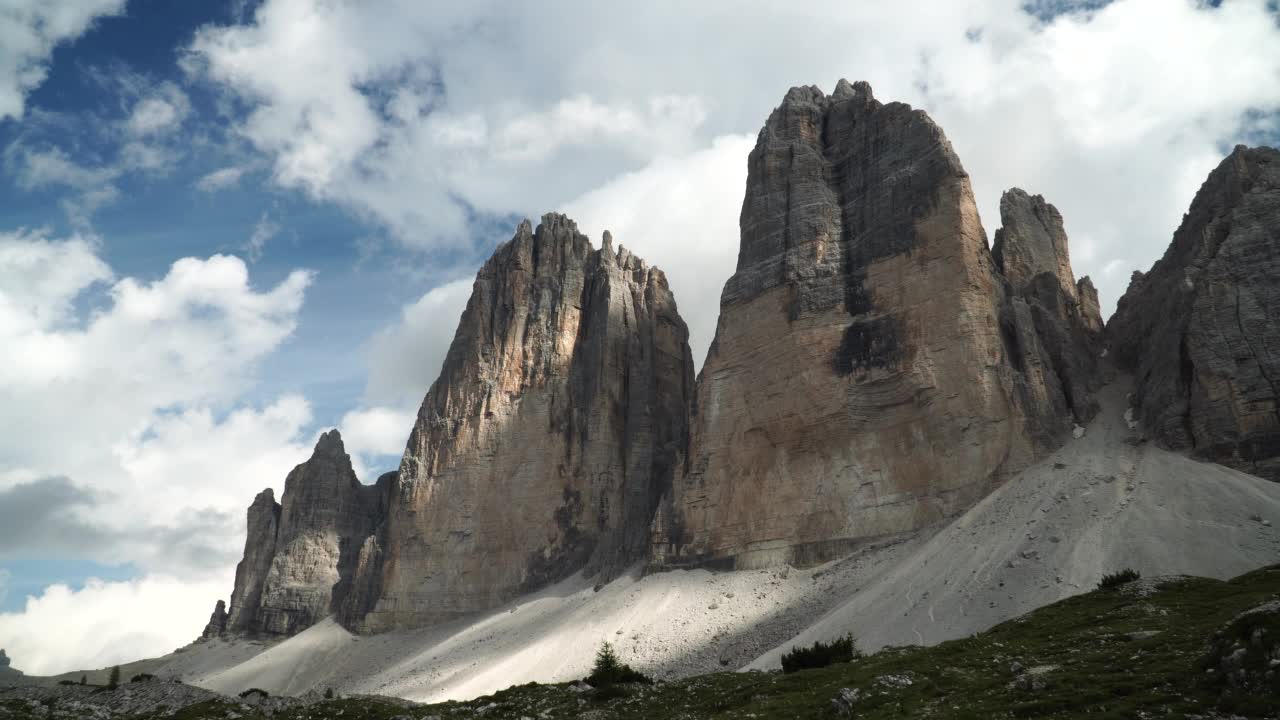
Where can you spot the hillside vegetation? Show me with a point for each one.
(1183, 647)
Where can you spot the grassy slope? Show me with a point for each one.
(1113, 654)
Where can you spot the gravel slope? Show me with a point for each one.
(1103, 502)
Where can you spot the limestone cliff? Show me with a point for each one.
(1056, 319)
(299, 552)
(548, 439)
(864, 379)
(1201, 329)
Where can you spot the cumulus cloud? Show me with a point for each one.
(124, 438)
(129, 393)
(680, 214)
(416, 116)
(29, 31)
(353, 112)
(44, 514)
(376, 432)
(405, 357)
(107, 623)
(159, 111)
(50, 149)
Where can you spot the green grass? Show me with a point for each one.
(1113, 654)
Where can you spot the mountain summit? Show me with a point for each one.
(877, 370)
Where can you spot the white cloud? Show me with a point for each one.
(263, 232)
(680, 214)
(107, 623)
(42, 277)
(413, 114)
(221, 179)
(405, 157)
(161, 111)
(29, 31)
(376, 432)
(405, 357)
(130, 390)
(145, 381)
(50, 151)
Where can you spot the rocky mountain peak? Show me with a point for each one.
(566, 386)
(217, 625)
(330, 444)
(299, 550)
(1199, 329)
(863, 287)
(1031, 241)
(1053, 324)
(541, 450)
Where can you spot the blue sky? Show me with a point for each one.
(228, 226)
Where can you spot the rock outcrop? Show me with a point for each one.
(863, 380)
(300, 554)
(251, 572)
(1201, 330)
(217, 626)
(548, 439)
(4, 659)
(1056, 319)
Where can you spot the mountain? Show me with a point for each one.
(541, 451)
(300, 554)
(546, 442)
(873, 372)
(898, 430)
(1201, 330)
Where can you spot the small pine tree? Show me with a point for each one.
(820, 654)
(114, 681)
(607, 661)
(1116, 579)
(609, 670)
(328, 693)
(84, 679)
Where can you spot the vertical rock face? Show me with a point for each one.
(1031, 241)
(861, 381)
(217, 625)
(1062, 340)
(251, 572)
(300, 552)
(1201, 330)
(545, 444)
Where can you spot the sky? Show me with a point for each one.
(228, 226)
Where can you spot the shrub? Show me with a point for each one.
(114, 682)
(820, 654)
(84, 679)
(255, 691)
(328, 693)
(609, 670)
(142, 677)
(1116, 579)
(66, 682)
